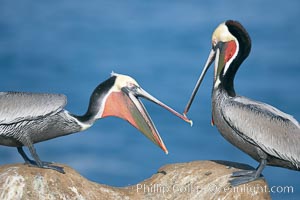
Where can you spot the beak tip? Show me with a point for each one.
(187, 119)
(191, 122)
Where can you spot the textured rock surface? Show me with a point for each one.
(193, 180)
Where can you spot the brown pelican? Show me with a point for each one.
(267, 134)
(28, 118)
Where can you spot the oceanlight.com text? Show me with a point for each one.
(212, 188)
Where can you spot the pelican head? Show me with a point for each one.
(118, 96)
(231, 44)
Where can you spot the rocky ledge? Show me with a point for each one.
(192, 180)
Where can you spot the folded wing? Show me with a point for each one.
(19, 106)
(274, 131)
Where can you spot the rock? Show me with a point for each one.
(193, 180)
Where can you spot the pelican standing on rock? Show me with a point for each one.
(267, 134)
(28, 118)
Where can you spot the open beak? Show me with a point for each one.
(211, 58)
(127, 105)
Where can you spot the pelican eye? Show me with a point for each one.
(133, 88)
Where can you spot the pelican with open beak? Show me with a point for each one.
(29, 118)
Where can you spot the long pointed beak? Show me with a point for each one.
(126, 105)
(209, 61)
(140, 118)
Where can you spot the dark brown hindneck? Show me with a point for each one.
(243, 38)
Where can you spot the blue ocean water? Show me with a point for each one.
(70, 47)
